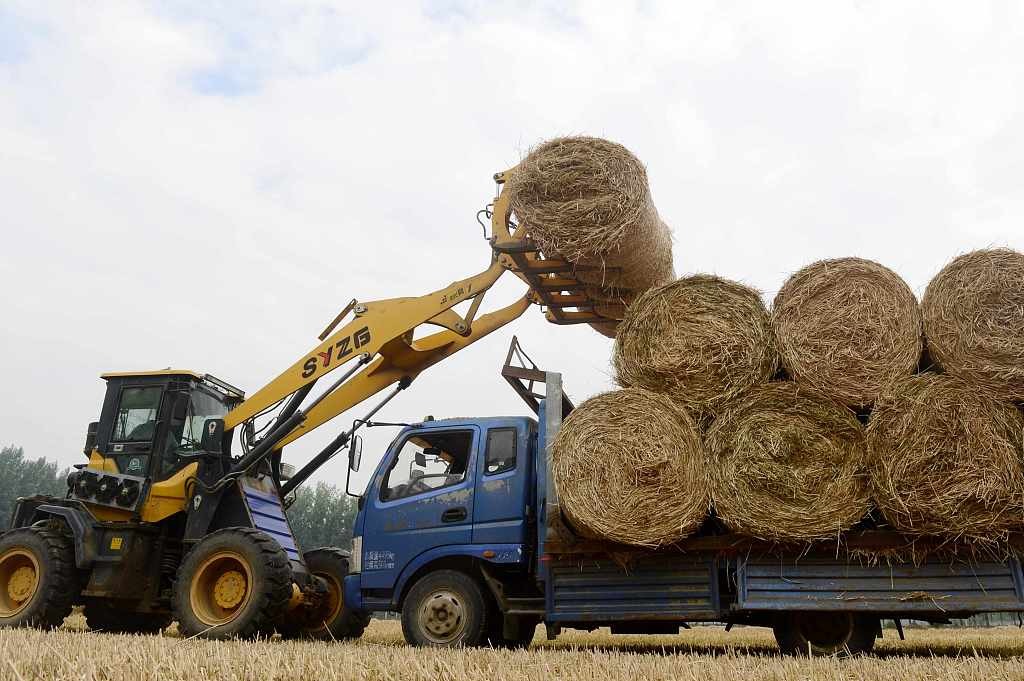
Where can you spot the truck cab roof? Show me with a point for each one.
(480, 421)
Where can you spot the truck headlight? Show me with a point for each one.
(355, 563)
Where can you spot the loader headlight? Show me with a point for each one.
(355, 563)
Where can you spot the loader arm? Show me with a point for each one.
(377, 344)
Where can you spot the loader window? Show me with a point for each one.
(428, 462)
(187, 436)
(137, 414)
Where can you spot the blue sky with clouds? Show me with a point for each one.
(205, 184)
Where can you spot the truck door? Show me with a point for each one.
(502, 481)
(424, 499)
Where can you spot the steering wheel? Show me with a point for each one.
(417, 486)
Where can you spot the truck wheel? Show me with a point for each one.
(234, 583)
(332, 620)
(445, 609)
(102, 616)
(37, 577)
(825, 633)
(527, 629)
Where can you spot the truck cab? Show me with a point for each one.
(456, 493)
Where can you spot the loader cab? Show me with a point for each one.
(150, 429)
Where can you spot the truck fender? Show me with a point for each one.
(492, 553)
(81, 528)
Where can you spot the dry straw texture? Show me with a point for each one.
(946, 459)
(788, 464)
(704, 653)
(974, 320)
(700, 339)
(629, 467)
(847, 327)
(586, 199)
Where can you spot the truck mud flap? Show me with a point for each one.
(657, 588)
(933, 588)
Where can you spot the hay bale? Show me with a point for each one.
(700, 339)
(847, 327)
(787, 464)
(629, 467)
(946, 459)
(586, 199)
(974, 320)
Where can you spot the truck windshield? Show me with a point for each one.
(427, 462)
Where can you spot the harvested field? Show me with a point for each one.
(847, 327)
(702, 653)
(947, 459)
(586, 199)
(974, 320)
(700, 339)
(787, 464)
(630, 467)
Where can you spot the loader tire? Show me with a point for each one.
(446, 609)
(841, 634)
(235, 582)
(38, 578)
(103, 616)
(332, 621)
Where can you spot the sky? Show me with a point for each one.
(205, 184)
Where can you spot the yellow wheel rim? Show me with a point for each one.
(334, 601)
(221, 588)
(19, 580)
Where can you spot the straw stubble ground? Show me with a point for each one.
(703, 653)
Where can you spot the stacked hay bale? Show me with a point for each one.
(587, 200)
(700, 340)
(974, 320)
(847, 327)
(946, 459)
(630, 467)
(947, 449)
(787, 464)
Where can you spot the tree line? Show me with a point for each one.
(320, 515)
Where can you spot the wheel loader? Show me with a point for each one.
(179, 511)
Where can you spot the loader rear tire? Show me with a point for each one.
(445, 609)
(38, 579)
(103, 616)
(333, 621)
(236, 582)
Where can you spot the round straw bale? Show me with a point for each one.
(630, 468)
(974, 320)
(946, 459)
(700, 339)
(787, 464)
(586, 199)
(847, 327)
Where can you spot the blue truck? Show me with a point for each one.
(459, 531)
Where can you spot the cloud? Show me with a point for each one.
(207, 184)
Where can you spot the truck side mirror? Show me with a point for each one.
(355, 453)
(421, 459)
(213, 436)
